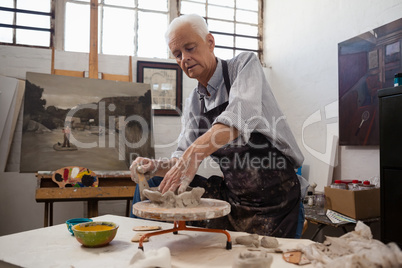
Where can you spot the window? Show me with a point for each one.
(126, 27)
(129, 27)
(26, 22)
(235, 24)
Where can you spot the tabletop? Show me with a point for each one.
(55, 247)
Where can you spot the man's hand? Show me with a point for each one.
(143, 165)
(180, 175)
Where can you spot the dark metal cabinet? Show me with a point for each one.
(390, 107)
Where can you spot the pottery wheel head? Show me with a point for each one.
(190, 198)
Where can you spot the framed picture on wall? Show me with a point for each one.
(166, 81)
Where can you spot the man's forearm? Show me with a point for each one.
(164, 166)
(216, 137)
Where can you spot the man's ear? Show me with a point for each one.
(211, 41)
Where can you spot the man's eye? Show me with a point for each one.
(178, 56)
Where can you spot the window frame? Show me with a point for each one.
(57, 25)
(259, 37)
(14, 26)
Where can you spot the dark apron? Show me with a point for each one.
(259, 182)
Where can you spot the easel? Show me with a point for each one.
(112, 186)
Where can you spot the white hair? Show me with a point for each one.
(196, 22)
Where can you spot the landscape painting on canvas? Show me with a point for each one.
(98, 124)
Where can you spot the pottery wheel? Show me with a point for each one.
(207, 209)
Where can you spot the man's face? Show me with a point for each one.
(194, 55)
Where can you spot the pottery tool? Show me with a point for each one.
(142, 182)
(207, 209)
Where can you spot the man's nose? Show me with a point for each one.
(185, 56)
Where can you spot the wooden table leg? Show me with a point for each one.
(46, 219)
(92, 208)
(51, 214)
(128, 208)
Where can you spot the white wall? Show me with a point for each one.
(302, 67)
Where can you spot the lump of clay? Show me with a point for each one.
(248, 240)
(253, 259)
(189, 198)
(269, 242)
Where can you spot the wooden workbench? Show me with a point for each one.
(112, 186)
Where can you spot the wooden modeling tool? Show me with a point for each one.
(142, 182)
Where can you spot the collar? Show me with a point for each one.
(213, 83)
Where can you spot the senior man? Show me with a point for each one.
(233, 117)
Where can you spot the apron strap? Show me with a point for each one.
(226, 75)
(226, 78)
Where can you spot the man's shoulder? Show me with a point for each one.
(243, 59)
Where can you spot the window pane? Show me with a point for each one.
(160, 5)
(123, 3)
(6, 17)
(33, 38)
(250, 43)
(77, 27)
(246, 29)
(33, 20)
(118, 31)
(223, 40)
(247, 16)
(223, 53)
(226, 3)
(220, 26)
(192, 8)
(247, 4)
(7, 3)
(221, 12)
(151, 35)
(37, 5)
(6, 35)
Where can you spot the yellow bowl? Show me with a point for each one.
(95, 234)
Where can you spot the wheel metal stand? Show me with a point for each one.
(208, 209)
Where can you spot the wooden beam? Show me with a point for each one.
(93, 49)
(69, 73)
(52, 64)
(116, 77)
(130, 69)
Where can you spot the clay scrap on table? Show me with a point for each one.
(254, 240)
(147, 228)
(253, 259)
(354, 249)
(190, 198)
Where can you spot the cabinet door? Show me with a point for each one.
(391, 206)
(391, 168)
(391, 131)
